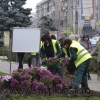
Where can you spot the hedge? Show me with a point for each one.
(3, 51)
(6, 52)
(94, 64)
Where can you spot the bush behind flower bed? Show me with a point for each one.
(6, 52)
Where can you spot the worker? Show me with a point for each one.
(81, 58)
(49, 49)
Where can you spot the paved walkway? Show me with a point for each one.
(94, 84)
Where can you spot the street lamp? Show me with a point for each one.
(59, 12)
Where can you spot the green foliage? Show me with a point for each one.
(15, 58)
(47, 25)
(66, 32)
(6, 52)
(3, 51)
(94, 65)
(12, 14)
(3, 74)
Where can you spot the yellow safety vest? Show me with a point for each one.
(82, 54)
(34, 53)
(41, 44)
(74, 41)
(54, 46)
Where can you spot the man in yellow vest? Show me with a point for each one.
(49, 49)
(81, 58)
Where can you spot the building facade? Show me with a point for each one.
(87, 16)
(98, 16)
(33, 20)
(59, 10)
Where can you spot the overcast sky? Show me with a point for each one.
(32, 4)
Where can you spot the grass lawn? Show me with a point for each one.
(3, 74)
(54, 98)
(92, 72)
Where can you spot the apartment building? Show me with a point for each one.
(59, 10)
(87, 16)
(33, 20)
(98, 16)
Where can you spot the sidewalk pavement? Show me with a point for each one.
(94, 84)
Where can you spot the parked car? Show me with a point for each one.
(96, 38)
(93, 42)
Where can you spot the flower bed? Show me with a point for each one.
(34, 79)
(36, 82)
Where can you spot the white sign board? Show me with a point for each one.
(26, 40)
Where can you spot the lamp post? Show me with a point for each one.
(48, 7)
(74, 15)
(59, 12)
(78, 20)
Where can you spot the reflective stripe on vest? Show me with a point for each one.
(82, 54)
(81, 57)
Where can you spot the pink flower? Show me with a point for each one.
(6, 78)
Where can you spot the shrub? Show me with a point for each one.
(14, 56)
(5, 81)
(4, 51)
(94, 65)
(36, 79)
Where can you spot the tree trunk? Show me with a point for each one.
(98, 76)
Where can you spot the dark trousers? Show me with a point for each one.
(57, 69)
(29, 61)
(81, 75)
(20, 59)
(88, 73)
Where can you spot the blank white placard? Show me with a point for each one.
(26, 40)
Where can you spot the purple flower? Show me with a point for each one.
(14, 83)
(35, 78)
(52, 61)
